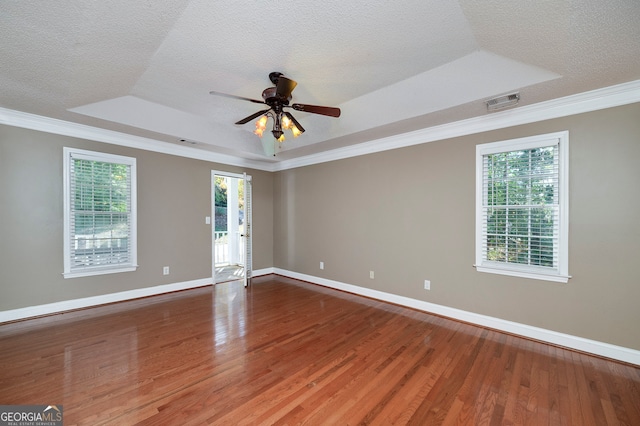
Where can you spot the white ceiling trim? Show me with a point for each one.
(66, 128)
(594, 100)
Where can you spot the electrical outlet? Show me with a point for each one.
(165, 270)
(207, 220)
(321, 265)
(427, 285)
(371, 275)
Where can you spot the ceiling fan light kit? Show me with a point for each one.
(284, 121)
(277, 98)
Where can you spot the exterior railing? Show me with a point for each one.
(222, 255)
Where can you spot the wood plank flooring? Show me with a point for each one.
(287, 352)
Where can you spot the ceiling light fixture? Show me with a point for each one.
(277, 98)
(502, 102)
(281, 121)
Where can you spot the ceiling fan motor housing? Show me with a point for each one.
(271, 98)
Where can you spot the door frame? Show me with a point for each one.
(247, 259)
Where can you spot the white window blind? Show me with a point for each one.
(100, 213)
(522, 207)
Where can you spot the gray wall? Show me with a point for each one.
(173, 200)
(408, 215)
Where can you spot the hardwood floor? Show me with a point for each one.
(229, 273)
(287, 352)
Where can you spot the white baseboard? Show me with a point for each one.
(607, 350)
(68, 305)
(86, 302)
(264, 271)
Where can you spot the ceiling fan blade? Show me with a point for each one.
(315, 109)
(252, 116)
(294, 121)
(255, 101)
(284, 87)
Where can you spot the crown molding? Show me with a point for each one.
(608, 97)
(66, 128)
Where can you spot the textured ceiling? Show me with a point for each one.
(146, 67)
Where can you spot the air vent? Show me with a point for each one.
(502, 102)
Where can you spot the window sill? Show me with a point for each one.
(101, 271)
(534, 275)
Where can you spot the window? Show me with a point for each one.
(99, 213)
(522, 207)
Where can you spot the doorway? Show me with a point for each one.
(231, 229)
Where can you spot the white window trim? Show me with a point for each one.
(68, 154)
(525, 271)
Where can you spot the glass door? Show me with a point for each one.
(231, 227)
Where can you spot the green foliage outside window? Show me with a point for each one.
(101, 198)
(521, 202)
(220, 194)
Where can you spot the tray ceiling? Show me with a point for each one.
(146, 68)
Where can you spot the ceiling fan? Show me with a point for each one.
(277, 98)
